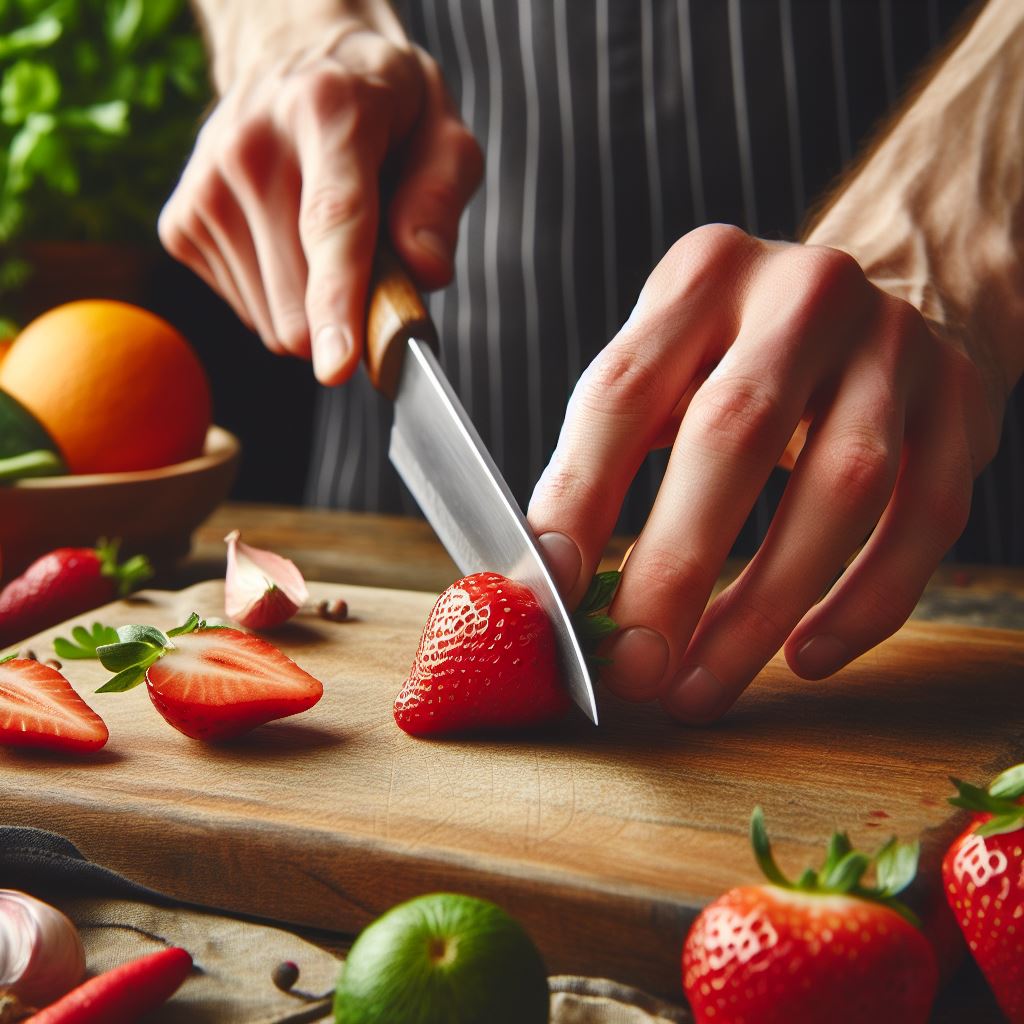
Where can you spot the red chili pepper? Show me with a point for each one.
(123, 995)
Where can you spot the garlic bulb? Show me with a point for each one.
(261, 589)
(41, 955)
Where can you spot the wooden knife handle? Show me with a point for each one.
(395, 313)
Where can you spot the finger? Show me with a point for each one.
(341, 137)
(736, 428)
(224, 230)
(186, 237)
(880, 589)
(262, 173)
(839, 489)
(618, 410)
(179, 245)
(442, 168)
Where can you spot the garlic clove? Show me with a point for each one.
(41, 955)
(261, 589)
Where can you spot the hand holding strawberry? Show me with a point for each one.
(208, 682)
(983, 875)
(825, 948)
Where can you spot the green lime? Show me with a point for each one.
(443, 959)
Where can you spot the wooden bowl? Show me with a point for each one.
(153, 511)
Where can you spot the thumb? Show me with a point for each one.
(442, 168)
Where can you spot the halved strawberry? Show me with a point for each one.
(39, 708)
(210, 683)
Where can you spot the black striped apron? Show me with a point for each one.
(612, 127)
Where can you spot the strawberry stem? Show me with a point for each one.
(129, 574)
(763, 851)
(591, 625)
(895, 865)
(1001, 800)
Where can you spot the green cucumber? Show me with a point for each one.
(26, 448)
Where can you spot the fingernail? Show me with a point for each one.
(696, 696)
(639, 657)
(332, 349)
(434, 242)
(563, 558)
(821, 656)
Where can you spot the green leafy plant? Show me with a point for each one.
(99, 104)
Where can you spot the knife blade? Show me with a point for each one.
(444, 463)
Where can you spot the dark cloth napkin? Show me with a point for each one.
(232, 982)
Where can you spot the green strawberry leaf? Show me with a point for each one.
(8, 657)
(84, 642)
(590, 625)
(763, 850)
(142, 634)
(593, 628)
(124, 680)
(973, 798)
(838, 847)
(896, 866)
(1000, 824)
(190, 625)
(1008, 785)
(846, 875)
(129, 654)
(600, 592)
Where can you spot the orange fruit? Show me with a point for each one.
(117, 387)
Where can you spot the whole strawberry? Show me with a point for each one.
(983, 875)
(823, 949)
(65, 583)
(486, 660)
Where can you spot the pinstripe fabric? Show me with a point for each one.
(611, 128)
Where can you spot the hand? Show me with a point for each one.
(734, 342)
(277, 209)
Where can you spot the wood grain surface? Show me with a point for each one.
(604, 841)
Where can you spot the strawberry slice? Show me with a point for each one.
(39, 708)
(209, 682)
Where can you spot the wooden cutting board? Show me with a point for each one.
(604, 841)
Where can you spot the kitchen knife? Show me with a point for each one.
(438, 453)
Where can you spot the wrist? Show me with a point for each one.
(245, 36)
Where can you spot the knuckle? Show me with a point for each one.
(565, 486)
(668, 571)
(622, 380)
(759, 622)
(247, 153)
(738, 417)
(714, 240)
(833, 275)
(329, 207)
(862, 469)
(325, 292)
(699, 252)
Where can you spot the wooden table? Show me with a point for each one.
(401, 553)
(393, 551)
